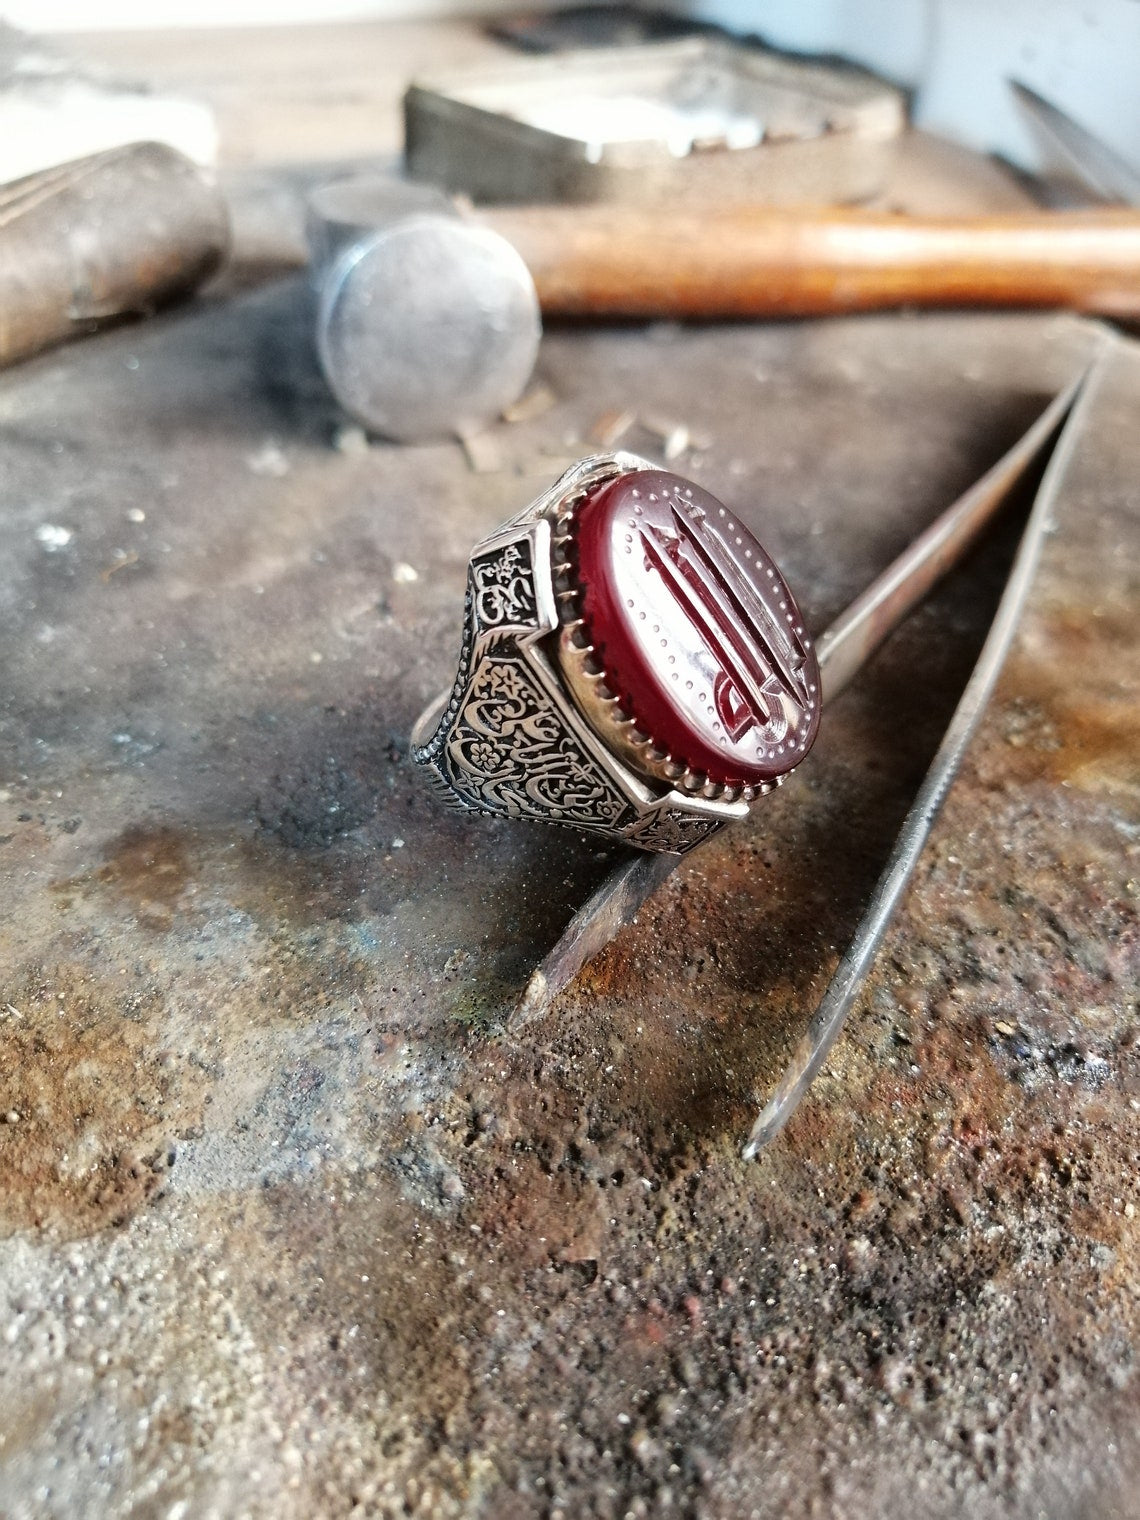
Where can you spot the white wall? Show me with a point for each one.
(1083, 55)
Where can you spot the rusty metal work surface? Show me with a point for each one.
(290, 1228)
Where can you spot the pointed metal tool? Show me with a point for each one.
(843, 650)
(813, 1049)
(1076, 151)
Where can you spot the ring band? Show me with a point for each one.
(633, 664)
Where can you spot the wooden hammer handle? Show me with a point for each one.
(753, 262)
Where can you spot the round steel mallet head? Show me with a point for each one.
(427, 325)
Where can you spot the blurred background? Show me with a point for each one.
(954, 54)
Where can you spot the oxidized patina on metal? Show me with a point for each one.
(289, 1227)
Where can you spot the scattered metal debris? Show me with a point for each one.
(534, 403)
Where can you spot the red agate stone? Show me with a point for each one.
(695, 628)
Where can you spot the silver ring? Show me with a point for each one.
(633, 664)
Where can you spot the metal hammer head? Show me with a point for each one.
(427, 325)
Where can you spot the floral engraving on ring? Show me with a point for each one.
(510, 752)
(673, 831)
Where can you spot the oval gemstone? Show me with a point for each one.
(695, 629)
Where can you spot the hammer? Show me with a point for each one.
(117, 234)
(429, 321)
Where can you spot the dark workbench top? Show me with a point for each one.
(290, 1228)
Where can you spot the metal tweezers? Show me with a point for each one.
(843, 650)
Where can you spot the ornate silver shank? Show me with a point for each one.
(508, 738)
